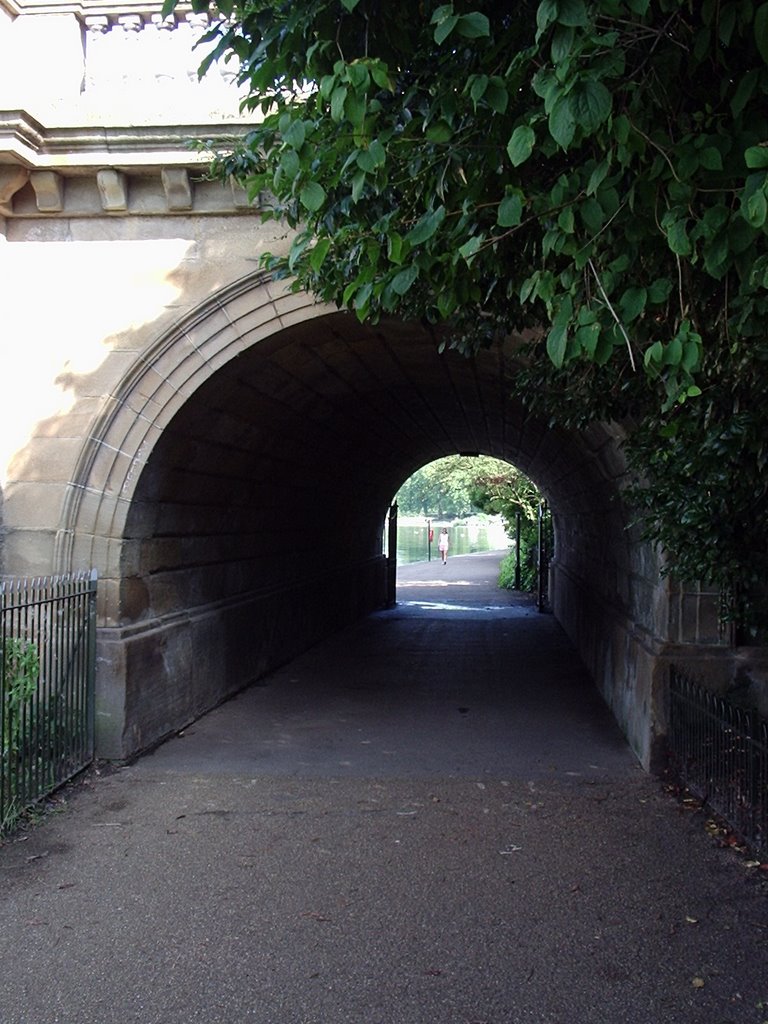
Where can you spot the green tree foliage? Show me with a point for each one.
(593, 171)
(460, 485)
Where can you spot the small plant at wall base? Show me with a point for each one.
(591, 172)
(20, 665)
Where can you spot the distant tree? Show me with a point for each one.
(459, 485)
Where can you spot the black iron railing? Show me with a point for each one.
(720, 753)
(47, 647)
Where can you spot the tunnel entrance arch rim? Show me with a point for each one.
(106, 469)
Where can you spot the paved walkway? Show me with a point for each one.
(430, 819)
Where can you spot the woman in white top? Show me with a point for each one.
(442, 545)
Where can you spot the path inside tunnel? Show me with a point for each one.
(429, 818)
(459, 678)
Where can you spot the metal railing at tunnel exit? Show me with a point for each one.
(47, 664)
(719, 751)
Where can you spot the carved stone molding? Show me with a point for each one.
(166, 191)
(24, 140)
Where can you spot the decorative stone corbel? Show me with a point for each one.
(178, 189)
(12, 178)
(113, 190)
(49, 191)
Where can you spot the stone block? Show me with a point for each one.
(12, 179)
(113, 189)
(49, 191)
(177, 187)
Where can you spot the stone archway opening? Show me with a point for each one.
(254, 522)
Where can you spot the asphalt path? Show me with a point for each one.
(428, 818)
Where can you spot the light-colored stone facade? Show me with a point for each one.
(222, 450)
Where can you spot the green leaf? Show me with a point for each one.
(590, 104)
(338, 99)
(711, 159)
(318, 254)
(761, 31)
(358, 184)
(473, 26)
(445, 28)
(478, 87)
(756, 157)
(561, 122)
(557, 340)
(520, 145)
(546, 14)
(586, 338)
(572, 12)
(597, 177)
(591, 213)
(677, 234)
(396, 248)
(295, 135)
(470, 247)
(654, 354)
(633, 303)
(756, 209)
(402, 281)
(659, 291)
(426, 226)
(744, 91)
(290, 163)
(510, 211)
(562, 43)
(350, 5)
(496, 96)
(312, 196)
(439, 132)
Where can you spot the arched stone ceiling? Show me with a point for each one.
(310, 432)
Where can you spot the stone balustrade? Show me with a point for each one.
(111, 66)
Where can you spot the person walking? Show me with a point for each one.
(442, 544)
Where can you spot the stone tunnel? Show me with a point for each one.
(224, 451)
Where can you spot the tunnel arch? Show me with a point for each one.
(235, 486)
